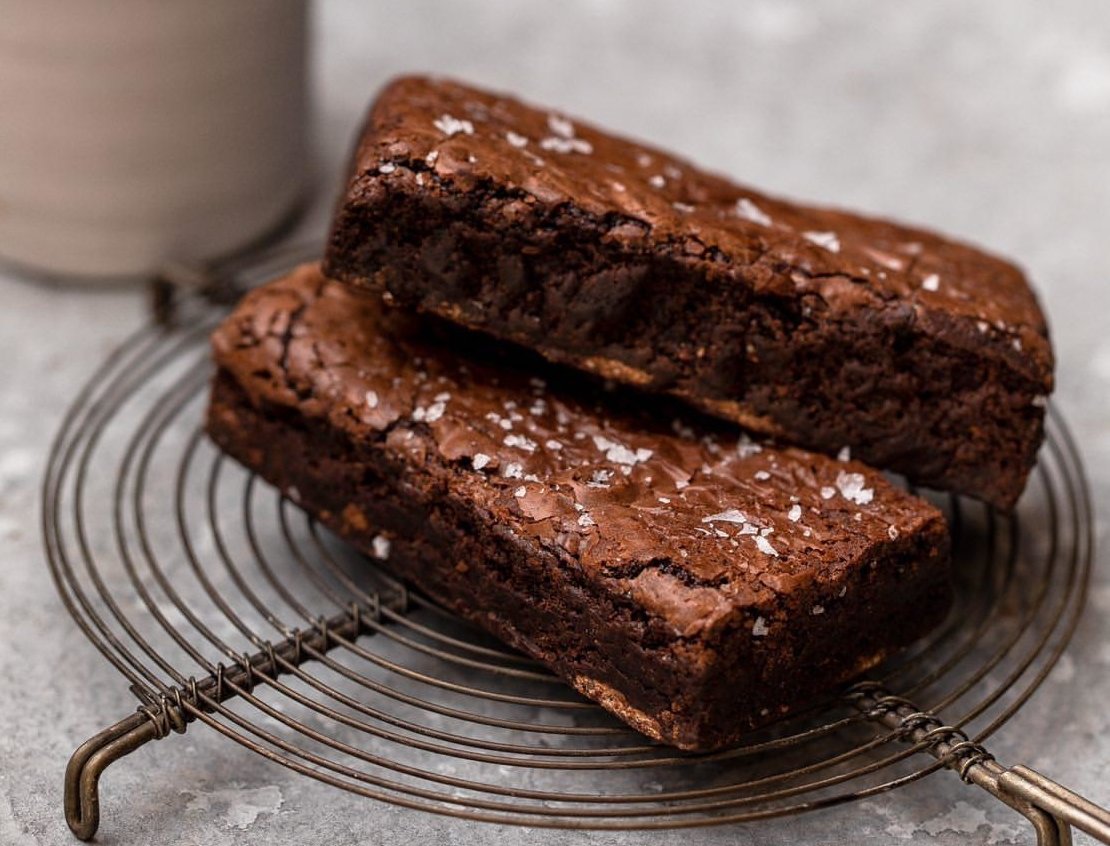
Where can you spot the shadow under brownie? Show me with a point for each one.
(694, 583)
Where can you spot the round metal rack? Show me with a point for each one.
(222, 603)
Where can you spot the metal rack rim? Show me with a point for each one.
(171, 698)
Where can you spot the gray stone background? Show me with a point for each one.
(987, 119)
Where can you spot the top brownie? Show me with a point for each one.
(829, 329)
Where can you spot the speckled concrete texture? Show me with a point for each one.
(990, 120)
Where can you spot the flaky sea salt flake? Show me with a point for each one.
(453, 126)
(748, 210)
(682, 430)
(600, 478)
(732, 515)
(434, 412)
(746, 447)
(380, 546)
(852, 488)
(520, 442)
(827, 240)
(566, 145)
(620, 454)
(560, 126)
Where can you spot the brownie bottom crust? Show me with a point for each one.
(683, 691)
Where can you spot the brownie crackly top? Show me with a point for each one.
(691, 521)
(643, 195)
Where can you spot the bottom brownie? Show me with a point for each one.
(696, 592)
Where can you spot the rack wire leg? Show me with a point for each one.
(1064, 805)
(174, 709)
(82, 778)
(1051, 808)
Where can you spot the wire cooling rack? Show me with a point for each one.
(220, 602)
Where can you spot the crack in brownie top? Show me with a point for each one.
(460, 135)
(693, 519)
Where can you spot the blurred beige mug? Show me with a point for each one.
(138, 131)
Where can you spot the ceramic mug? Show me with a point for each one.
(133, 132)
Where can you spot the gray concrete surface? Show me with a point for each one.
(991, 120)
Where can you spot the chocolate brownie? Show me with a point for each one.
(827, 329)
(695, 585)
